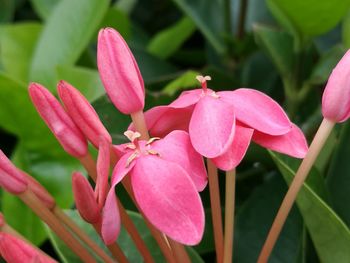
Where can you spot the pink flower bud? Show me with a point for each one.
(11, 179)
(103, 161)
(336, 96)
(2, 220)
(61, 125)
(40, 191)
(85, 199)
(82, 113)
(119, 72)
(16, 250)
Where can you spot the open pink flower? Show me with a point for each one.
(165, 177)
(222, 124)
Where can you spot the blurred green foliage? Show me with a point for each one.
(285, 48)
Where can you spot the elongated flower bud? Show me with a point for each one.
(11, 179)
(119, 72)
(40, 191)
(82, 113)
(103, 161)
(336, 96)
(84, 199)
(16, 250)
(2, 220)
(61, 125)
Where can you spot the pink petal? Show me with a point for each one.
(110, 219)
(119, 72)
(82, 113)
(187, 98)
(103, 161)
(212, 126)
(169, 199)
(61, 125)
(119, 150)
(293, 143)
(336, 96)
(176, 147)
(231, 158)
(122, 169)
(258, 111)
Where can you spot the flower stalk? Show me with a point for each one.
(229, 215)
(318, 142)
(215, 204)
(30, 199)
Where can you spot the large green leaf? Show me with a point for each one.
(124, 241)
(17, 46)
(44, 8)
(254, 219)
(278, 46)
(328, 232)
(346, 30)
(338, 176)
(309, 18)
(169, 40)
(65, 35)
(207, 16)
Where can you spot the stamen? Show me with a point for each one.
(153, 152)
(132, 136)
(131, 158)
(203, 81)
(152, 140)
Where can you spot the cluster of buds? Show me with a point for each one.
(163, 174)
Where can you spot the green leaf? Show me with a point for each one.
(124, 241)
(278, 46)
(308, 18)
(346, 31)
(65, 36)
(328, 232)
(152, 68)
(17, 46)
(44, 8)
(207, 16)
(118, 20)
(86, 80)
(168, 41)
(254, 219)
(17, 114)
(325, 65)
(7, 10)
(338, 175)
(185, 81)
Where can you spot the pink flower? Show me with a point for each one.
(165, 177)
(82, 113)
(222, 124)
(85, 199)
(61, 125)
(119, 72)
(336, 96)
(15, 250)
(11, 179)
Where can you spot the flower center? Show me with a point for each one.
(203, 81)
(140, 147)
